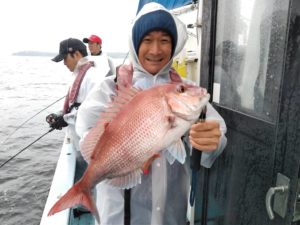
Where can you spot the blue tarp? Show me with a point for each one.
(169, 4)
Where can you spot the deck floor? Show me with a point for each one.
(79, 216)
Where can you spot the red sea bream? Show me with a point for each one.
(135, 127)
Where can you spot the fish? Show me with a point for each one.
(136, 127)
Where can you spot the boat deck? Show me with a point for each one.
(78, 217)
(66, 173)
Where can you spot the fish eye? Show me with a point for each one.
(181, 89)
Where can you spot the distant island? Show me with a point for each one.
(34, 53)
(52, 54)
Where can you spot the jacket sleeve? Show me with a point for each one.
(94, 104)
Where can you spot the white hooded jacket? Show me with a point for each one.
(91, 78)
(162, 196)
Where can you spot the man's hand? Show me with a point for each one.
(205, 135)
(56, 121)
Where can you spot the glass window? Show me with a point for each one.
(250, 45)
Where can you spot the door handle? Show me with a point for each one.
(270, 193)
(296, 216)
(280, 193)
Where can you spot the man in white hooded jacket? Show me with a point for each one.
(161, 198)
(73, 53)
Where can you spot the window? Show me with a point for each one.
(250, 45)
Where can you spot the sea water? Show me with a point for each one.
(28, 85)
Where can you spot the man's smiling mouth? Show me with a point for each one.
(154, 60)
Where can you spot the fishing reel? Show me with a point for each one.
(56, 121)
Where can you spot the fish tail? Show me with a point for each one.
(76, 196)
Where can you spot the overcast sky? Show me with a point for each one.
(41, 24)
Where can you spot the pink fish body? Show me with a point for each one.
(137, 126)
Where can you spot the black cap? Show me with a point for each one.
(70, 46)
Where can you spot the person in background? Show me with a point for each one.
(74, 54)
(162, 196)
(95, 46)
(228, 63)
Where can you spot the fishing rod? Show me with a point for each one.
(196, 162)
(195, 166)
(21, 125)
(125, 58)
(26, 147)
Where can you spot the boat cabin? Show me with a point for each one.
(250, 64)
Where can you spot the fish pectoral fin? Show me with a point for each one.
(176, 151)
(128, 181)
(146, 165)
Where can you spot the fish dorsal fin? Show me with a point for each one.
(124, 95)
(174, 76)
(128, 181)
(176, 151)
(124, 75)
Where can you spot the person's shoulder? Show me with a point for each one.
(99, 60)
(107, 83)
(106, 56)
(92, 71)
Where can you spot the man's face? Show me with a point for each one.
(155, 51)
(94, 48)
(71, 61)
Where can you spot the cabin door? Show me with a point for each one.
(251, 65)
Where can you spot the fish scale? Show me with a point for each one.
(137, 151)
